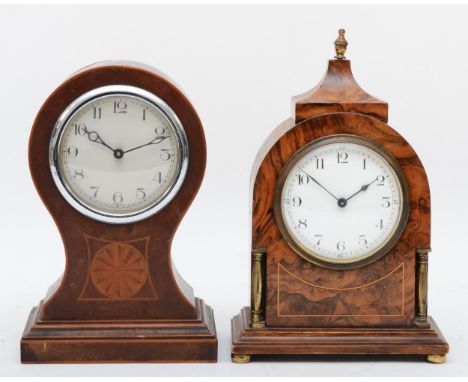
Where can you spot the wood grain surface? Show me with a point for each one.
(292, 302)
(81, 296)
(310, 309)
(293, 340)
(338, 92)
(176, 297)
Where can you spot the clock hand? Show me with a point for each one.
(363, 188)
(93, 136)
(155, 141)
(315, 180)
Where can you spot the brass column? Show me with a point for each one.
(421, 285)
(257, 304)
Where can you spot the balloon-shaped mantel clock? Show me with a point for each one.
(117, 154)
(340, 232)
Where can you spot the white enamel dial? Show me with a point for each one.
(341, 201)
(119, 155)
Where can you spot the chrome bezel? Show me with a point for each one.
(83, 101)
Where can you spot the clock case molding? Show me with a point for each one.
(76, 322)
(298, 307)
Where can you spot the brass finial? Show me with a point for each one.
(340, 45)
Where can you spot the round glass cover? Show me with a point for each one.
(341, 201)
(118, 154)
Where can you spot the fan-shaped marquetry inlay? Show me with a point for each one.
(119, 270)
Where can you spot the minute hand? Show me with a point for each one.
(315, 181)
(155, 141)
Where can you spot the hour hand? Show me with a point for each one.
(315, 181)
(363, 188)
(155, 141)
(93, 136)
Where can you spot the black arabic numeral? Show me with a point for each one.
(117, 197)
(342, 157)
(319, 238)
(302, 179)
(72, 151)
(362, 240)
(386, 202)
(140, 193)
(160, 130)
(297, 201)
(340, 246)
(165, 154)
(319, 164)
(302, 223)
(80, 129)
(97, 112)
(380, 224)
(78, 175)
(95, 189)
(120, 107)
(158, 178)
(380, 180)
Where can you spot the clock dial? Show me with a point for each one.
(342, 199)
(118, 154)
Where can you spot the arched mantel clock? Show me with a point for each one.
(340, 232)
(117, 154)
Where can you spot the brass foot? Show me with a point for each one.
(436, 358)
(257, 325)
(241, 358)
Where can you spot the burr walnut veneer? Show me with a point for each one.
(301, 308)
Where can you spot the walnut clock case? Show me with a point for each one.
(117, 154)
(340, 232)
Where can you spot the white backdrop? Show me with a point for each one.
(239, 65)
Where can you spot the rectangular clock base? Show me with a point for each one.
(119, 342)
(247, 342)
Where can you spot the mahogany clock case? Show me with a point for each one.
(298, 307)
(76, 322)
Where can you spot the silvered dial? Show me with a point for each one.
(120, 155)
